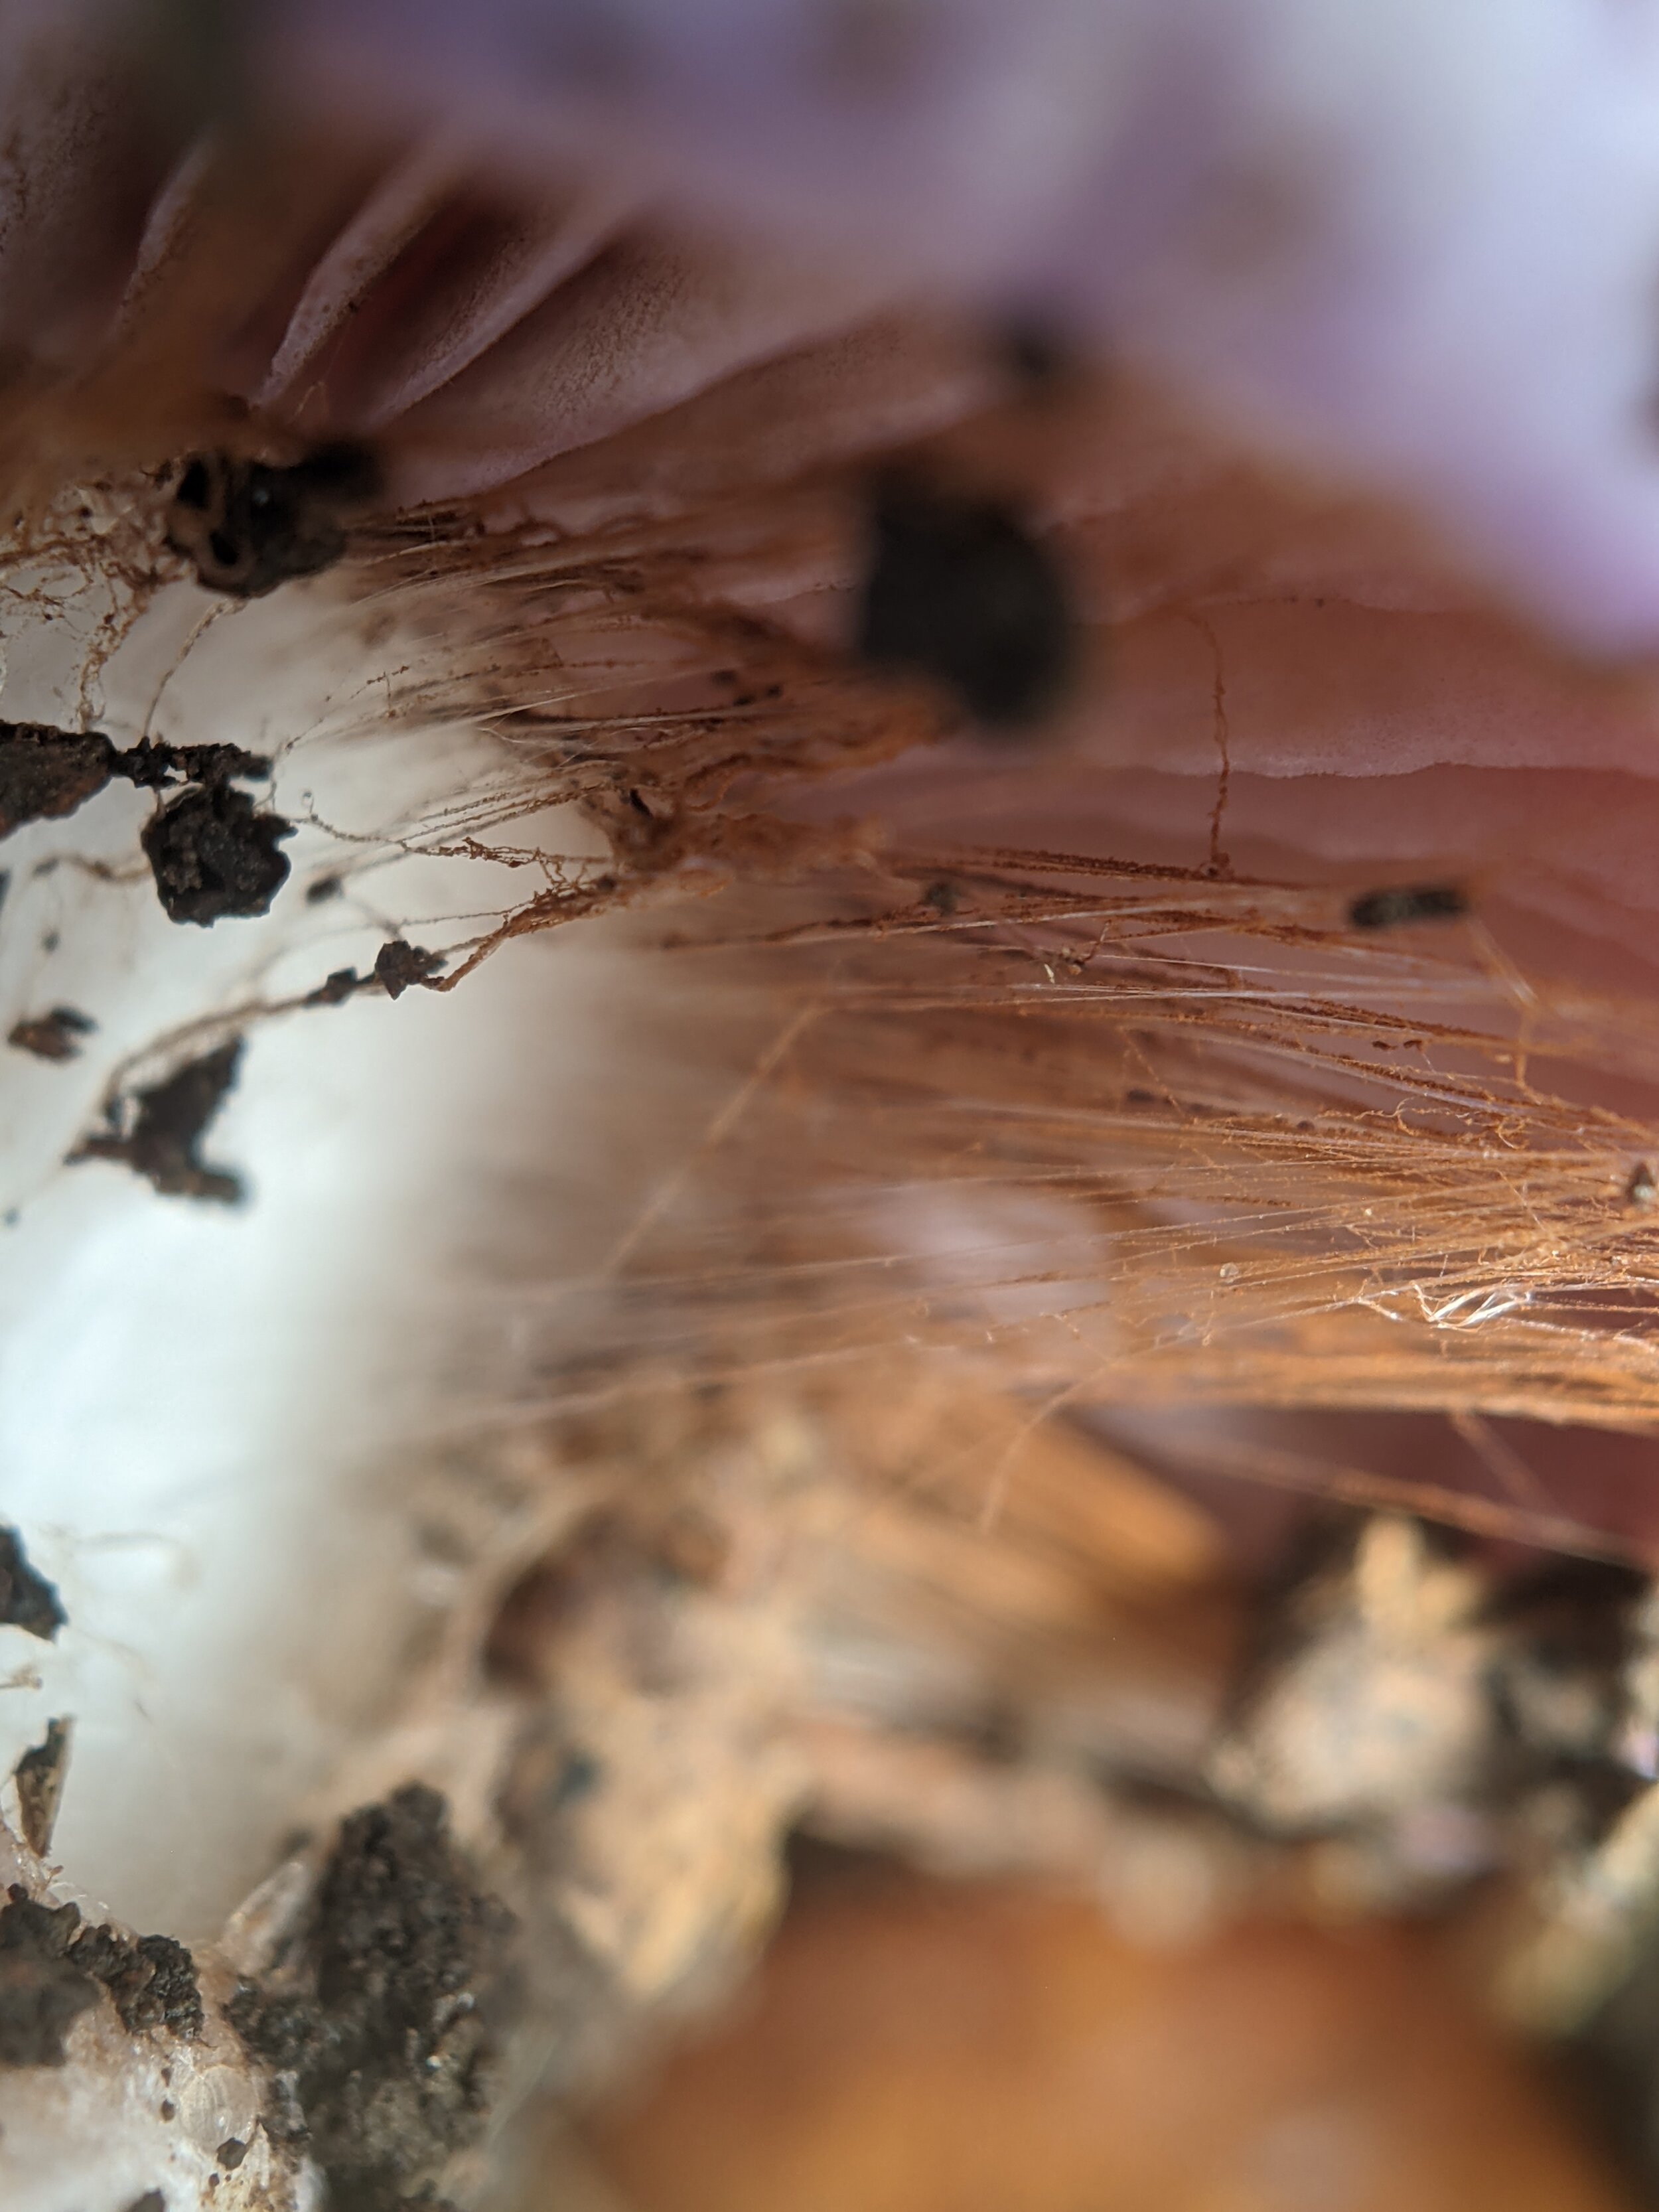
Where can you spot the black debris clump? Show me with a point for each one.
(959, 590)
(1610, 2064)
(212, 851)
(54, 1036)
(1558, 1679)
(383, 2024)
(159, 1988)
(152, 765)
(51, 1970)
(213, 854)
(151, 1979)
(1387, 909)
(158, 1132)
(231, 2152)
(40, 1776)
(335, 988)
(45, 774)
(43, 1989)
(246, 526)
(399, 966)
(1035, 354)
(323, 888)
(151, 2201)
(27, 1599)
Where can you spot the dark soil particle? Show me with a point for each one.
(42, 1990)
(45, 774)
(959, 590)
(54, 1035)
(150, 1978)
(231, 2152)
(213, 853)
(27, 1599)
(343, 984)
(384, 2023)
(1034, 353)
(246, 526)
(152, 767)
(1387, 909)
(158, 1134)
(151, 2201)
(399, 966)
(40, 1776)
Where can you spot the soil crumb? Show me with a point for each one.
(42, 1990)
(343, 983)
(1387, 909)
(384, 2022)
(45, 774)
(152, 765)
(54, 1035)
(151, 1978)
(39, 1775)
(246, 526)
(27, 1599)
(51, 1969)
(399, 966)
(959, 590)
(158, 1133)
(212, 851)
(213, 854)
